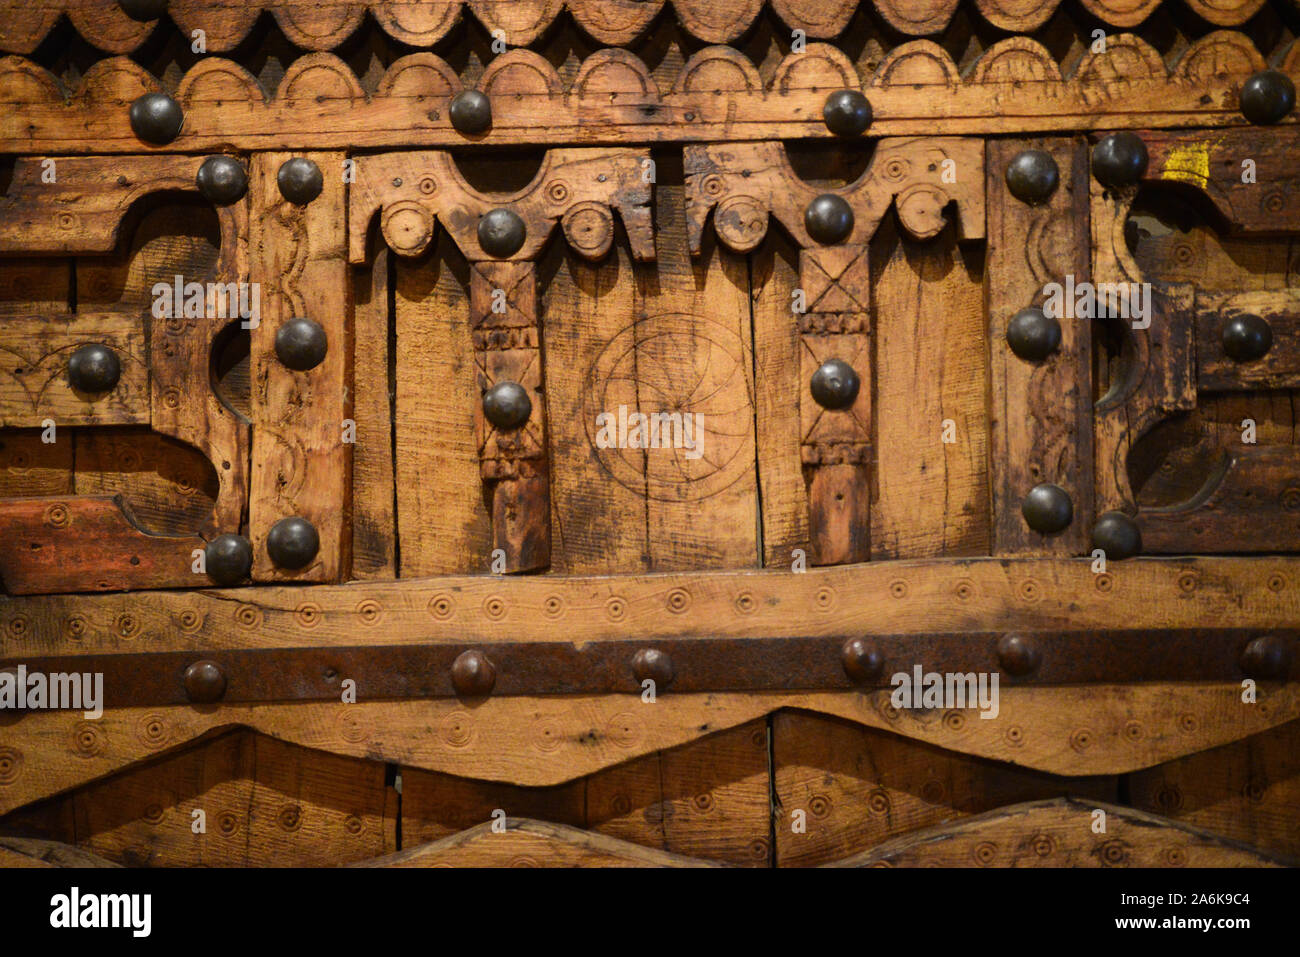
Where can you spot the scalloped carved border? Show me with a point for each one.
(317, 25)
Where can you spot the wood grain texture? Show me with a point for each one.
(50, 553)
(374, 520)
(707, 798)
(857, 787)
(82, 208)
(264, 803)
(777, 391)
(34, 852)
(547, 741)
(1245, 791)
(443, 524)
(931, 497)
(34, 383)
(876, 598)
(1279, 368)
(300, 464)
(527, 843)
(1058, 833)
(1040, 417)
(917, 88)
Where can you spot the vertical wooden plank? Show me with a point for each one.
(374, 526)
(597, 494)
(836, 443)
(301, 465)
(442, 519)
(1041, 417)
(513, 461)
(705, 799)
(694, 354)
(931, 496)
(860, 786)
(776, 401)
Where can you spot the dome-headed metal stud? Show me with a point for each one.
(156, 118)
(1268, 657)
(1116, 534)
(1018, 655)
(501, 233)
(473, 675)
(1119, 160)
(862, 660)
(94, 368)
(143, 10)
(222, 180)
(1033, 335)
(300, 180)
(507, 405)
(1247, 338)
(1048, 509)
(651, 664)
(205, 682)
(847, 113)
(828, 219)
(470, 112)
(301, 344)
(1032, 176)
(228, 559)
(1268, 96)
(292, 542)
(835, 384)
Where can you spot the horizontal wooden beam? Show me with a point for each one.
(718, 95)
(896, 598)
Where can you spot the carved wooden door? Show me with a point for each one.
(707, 432)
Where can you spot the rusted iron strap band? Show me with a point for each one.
(697, 664)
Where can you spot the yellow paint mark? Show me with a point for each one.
(1189, 164)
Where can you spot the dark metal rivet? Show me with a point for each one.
(1032, 176)
(94, 368)
(1267, 97)
(222, 180)
(300, 180)
(143, 10)
(228, 559)
(828, 219)
(473, 675)
(1017, 654)
(650, 664)
(1247, 338)
(835, 384)
(156, 118)
(501, 232)
(507, 405)
(862, 660)
(1119, 160)
(301, 344)
(1047, 508)
(1033, 335)
(292, 542)
(470, 111)
(1117, 535)
(847, 113)
(1267, 657)
(205, 682)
